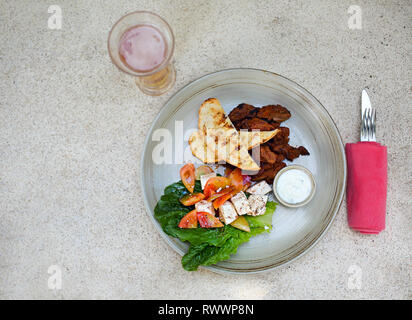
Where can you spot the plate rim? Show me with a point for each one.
(222, 270)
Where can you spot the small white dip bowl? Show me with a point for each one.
(311, 182)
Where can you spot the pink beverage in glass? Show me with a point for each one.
(142, 48)
(141, 44)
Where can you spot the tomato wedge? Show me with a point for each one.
(189, 221)
(220, 193)
(202, 170)
(191, 199)
(240, 181)
(208, 220)
(221, 200)
(187, 174)
(215, 183)
(236, 178)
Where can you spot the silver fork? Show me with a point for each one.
(368, 123)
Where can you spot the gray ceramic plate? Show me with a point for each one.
(295, 231)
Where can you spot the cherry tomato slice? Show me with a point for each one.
(215, 183)
(241, 182)
(191, 199)
(221, 200)
(202, 170)
(237, 178)
(189, 221)
(207, 220)
(187, 174)
(220, 193)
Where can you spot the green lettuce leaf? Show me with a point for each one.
(207, 246)
(263, 220)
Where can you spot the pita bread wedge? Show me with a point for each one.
(198, 146)
(252, 139)
(218, 140)
(209, 153)
(229, 148)
(212, 116)
(221, 145)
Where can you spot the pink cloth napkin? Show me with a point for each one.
(366, 187)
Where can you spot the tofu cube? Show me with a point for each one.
(258, 204)
(205, 177)
(241, 204)
(260, 188)
(205, 206)
(227, 213)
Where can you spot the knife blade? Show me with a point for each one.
(366, 102)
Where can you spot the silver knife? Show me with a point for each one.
(368, 122)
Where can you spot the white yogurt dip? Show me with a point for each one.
(294, 186)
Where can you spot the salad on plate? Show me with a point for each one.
(214, 213)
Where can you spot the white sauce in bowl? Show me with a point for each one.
(294, 186)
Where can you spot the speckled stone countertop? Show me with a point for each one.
(72, 129)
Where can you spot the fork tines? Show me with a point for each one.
(368, 128)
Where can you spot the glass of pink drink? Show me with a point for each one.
(141, 44)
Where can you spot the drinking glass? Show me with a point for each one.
(155, 81)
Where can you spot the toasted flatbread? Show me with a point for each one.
(221, 145)
(229, 148)
(198, 146)
(252, 139)
(212, 116)
(218, 140)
